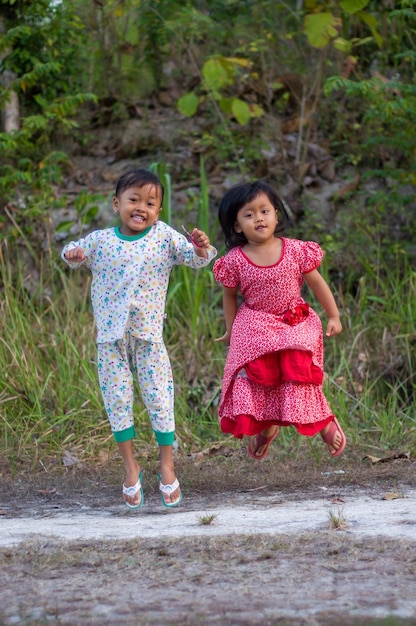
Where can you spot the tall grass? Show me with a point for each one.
(194, 320)
(50, 399)
(373, 364)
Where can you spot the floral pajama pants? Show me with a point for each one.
(121, 361)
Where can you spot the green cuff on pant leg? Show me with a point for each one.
(165, 439)
(124, 435)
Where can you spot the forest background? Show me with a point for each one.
(317, 95)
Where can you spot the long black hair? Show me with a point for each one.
(240, 195)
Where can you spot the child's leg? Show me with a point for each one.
(131, 470)
(154, 375)
(167, 473)
(116, 382)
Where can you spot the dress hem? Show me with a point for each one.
(247, 425)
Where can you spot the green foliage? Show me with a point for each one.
(375, 375)
(126, 44)
(164, 176)
(188, 104)
(37, 409)
(219, 73)
(351, 27)
(193, 293)
(387, 123)
(324, 21)
(353, 6)
(39, 48)
(31, 168)
(86, 208)
(321, 28)
(41, 45)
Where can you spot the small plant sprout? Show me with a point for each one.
(337, 519)
(207, 519)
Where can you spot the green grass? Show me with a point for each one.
(50, 399)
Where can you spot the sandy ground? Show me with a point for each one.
(355, 513)
(332, 543)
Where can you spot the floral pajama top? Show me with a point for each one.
(130, 277)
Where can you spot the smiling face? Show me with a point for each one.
(257, 220)
(139, 208)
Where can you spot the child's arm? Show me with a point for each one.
(324, 295)
(229, 303)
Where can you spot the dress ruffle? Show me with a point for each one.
(289, 402)
(247, 426)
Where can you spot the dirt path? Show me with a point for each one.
(338, 548)
(354, 513)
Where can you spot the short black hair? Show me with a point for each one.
(138, 178)
(238, 196)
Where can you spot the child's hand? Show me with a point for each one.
(334, 326)
(199, 238)
(225, 338)
(200, 241)
(76, 255)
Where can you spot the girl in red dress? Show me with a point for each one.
(274, 368)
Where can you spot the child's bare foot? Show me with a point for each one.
(131, 480)
(334, 437)
(171, 492)
(260, 444)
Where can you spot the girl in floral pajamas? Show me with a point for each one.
(274, 368)
(130, 267)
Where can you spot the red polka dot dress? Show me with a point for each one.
(274, 366)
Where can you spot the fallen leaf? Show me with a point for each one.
(387, 459)
(392, 496)
(46, 492)
(254, 489)
(103, 456)
(373, 459)
(358, 388)
(69, 459)
(216, 449)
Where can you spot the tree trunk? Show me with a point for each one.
(10, 117)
